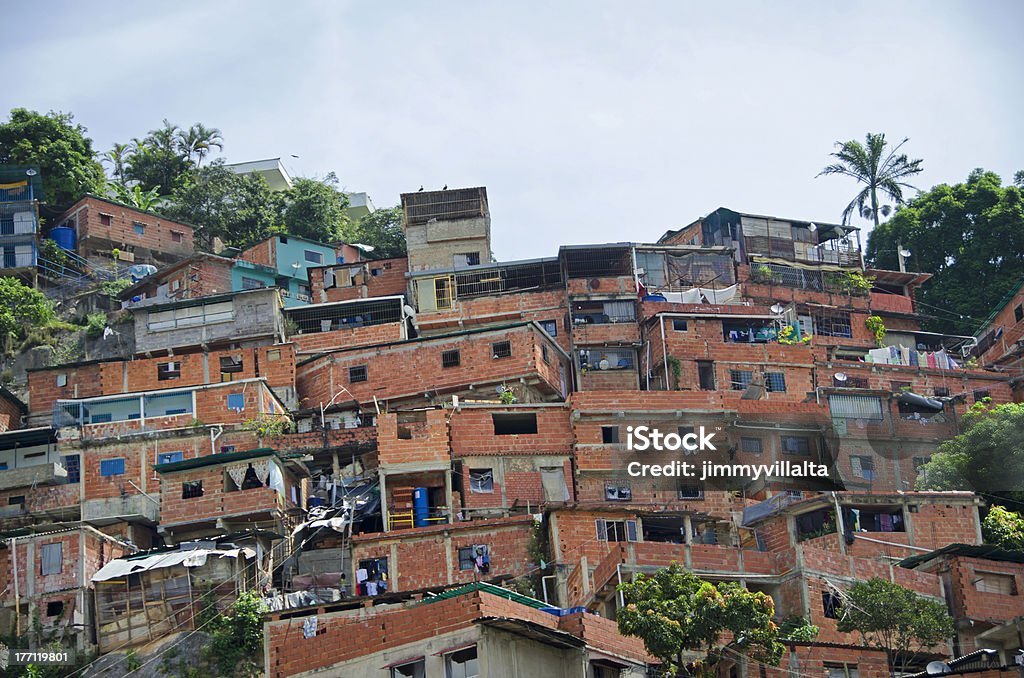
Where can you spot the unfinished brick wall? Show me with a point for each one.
(473, 431)
(264, 253)
(317, 342)
(967, 602)
(814, 659)
(411, 368)
(217, 500)
(400, 441)
(103, 225)
(10, 413)
(429, 556)
(379, 278)
(540, 306)
(1012, 327)
(80, 381)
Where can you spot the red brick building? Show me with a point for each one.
(103, 226)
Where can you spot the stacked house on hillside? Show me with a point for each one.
(378, 445)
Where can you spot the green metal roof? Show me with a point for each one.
(489, 588)
(214, 459)
(968, 551)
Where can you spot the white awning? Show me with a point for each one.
(194, 558)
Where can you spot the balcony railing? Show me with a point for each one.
(837, 282)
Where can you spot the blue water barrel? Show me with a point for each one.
(654, 297)
(420, 507)
(64, 236)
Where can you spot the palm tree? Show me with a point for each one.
(199, 140)
(118, 157)
(879, 171)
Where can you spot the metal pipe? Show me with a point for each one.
(664, 354)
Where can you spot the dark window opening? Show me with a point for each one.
(229, 367)
(830, 604)
(941, 392)
(451, 358)
(874, 519)
(481, 480)
(981, 395)
(501, 349)
(617, 491)
(357, 374)
(462, 664)
(72, 463)
(680, 325)
(796, 445)
(740, 379)
(550, 326)
(16, 500)
(105, 219)
(192, 489)
(668, 529)
(610, 435)
(706, 375)
(476, 556)
(603, 312)
(690, 492)
(749, 332)
(775, 382)
(414, 669)
(514, 424)
(54, 608)
(168, 371)
(545, 356)
(1018, 313)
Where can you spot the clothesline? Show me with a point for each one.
(901, 355)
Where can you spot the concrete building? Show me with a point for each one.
(20, 191)
(445, 229)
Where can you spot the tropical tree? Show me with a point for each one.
(61, 150)
(970, 237)
(383, 230)
(117, 158)
(881, 169)
(159, 160)
(199, 140)
(240, 210)
(316, 210)
(674, 612)
(134, 196)
(1004, 529)
(893, 618)
(988, 457)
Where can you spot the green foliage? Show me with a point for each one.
(112, 288)
(383, 230)
(135, 196)
(676, 367)
(894, 618)
(762, 273)
(237, 635)
(59, 147)
(880, 169)
(21, 308)
(674, 611)
(268, 425)
(95, 324)
(969, 236)
(795, 627)
(849, 282)
(1004, 529)
(316, 210)
(240, 210)
(876, 326)
(508, 396)
(787, 336)
(132, 659)
(988, 457)
(54, 253)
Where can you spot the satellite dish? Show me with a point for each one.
(31, 172)
(905, 253)
(937, 669)
(840, 377)
(777, 308)
(812, 227)
(604, 364)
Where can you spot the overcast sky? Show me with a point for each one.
(586, 121)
